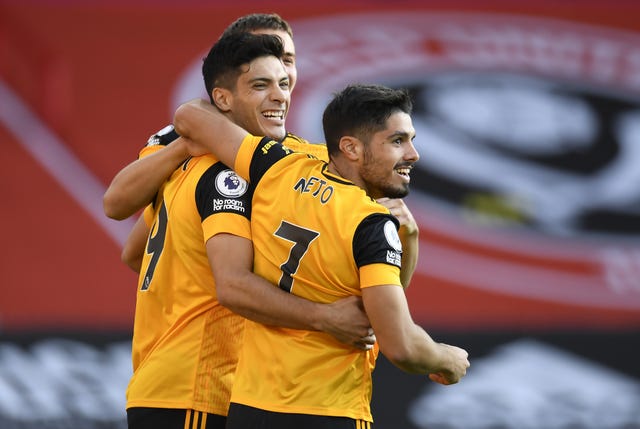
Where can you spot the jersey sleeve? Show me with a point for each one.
(377, 251)
(242, 163)
(223, 200)
(159, 140)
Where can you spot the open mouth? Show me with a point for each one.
(404, 172)
(274, 114)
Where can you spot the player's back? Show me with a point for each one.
(306, 227)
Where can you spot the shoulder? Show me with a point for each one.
(293, 139)
(158, 141)
(196, 169)
(298, 144)
(163, 137)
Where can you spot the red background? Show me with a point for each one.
(99, 74)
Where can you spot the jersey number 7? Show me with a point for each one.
(301, 239)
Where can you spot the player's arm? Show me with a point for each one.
(409, 237)
(251, 296)
(134, 247)
(135, 185)
(402, 341)
(207, 129)
(405, 343)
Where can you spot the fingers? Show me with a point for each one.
(439, 378)
(394, 205)
(399, 209)
(446, 378)
(369, 339)
(366, 342)
(363, 347)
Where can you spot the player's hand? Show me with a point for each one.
(347, 321)
(190, 147)
(399, 209)
(455, 366)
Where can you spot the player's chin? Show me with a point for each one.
(276, 132)
(399, 191)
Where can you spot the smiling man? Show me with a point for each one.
(254, 93)
(319, 234)
(185, 341)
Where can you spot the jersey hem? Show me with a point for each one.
(316, 411)
(174, 405)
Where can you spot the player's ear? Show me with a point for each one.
(222, 98)
(351, 147)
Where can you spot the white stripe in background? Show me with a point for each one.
(46, 148)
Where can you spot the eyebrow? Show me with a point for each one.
(403, 134)
(261, 79)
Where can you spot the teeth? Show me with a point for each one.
(403, 171)
(275, 114)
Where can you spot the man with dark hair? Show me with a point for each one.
(258, 23)
(270, 23)
(186, 342)
(318, 233)
(135, 186)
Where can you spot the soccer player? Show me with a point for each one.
(136, 185)
(318, 233)
(185, 343)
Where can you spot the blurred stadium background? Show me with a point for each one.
(527, 194)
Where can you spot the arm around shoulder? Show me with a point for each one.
(253, 297)
(135, 185)
(208, 129)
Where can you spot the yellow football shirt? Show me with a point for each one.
(185, 344)
(320, 237)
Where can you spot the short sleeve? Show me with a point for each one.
(377, 250)
(223, 200)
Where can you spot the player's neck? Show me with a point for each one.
(332, 167)
(345, 171)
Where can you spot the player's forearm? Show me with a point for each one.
(410, 246)
(254, 298)
(416, 353)
(420, 354)
(136, 184)
(133, 249)
(209, 130)
(249, 295)
(401, 340)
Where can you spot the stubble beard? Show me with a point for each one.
(377, 186)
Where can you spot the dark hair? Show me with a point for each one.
(259, 21)
(223, 64)
(361, 110)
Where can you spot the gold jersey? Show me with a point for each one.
(185, 344)
(322, 238)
